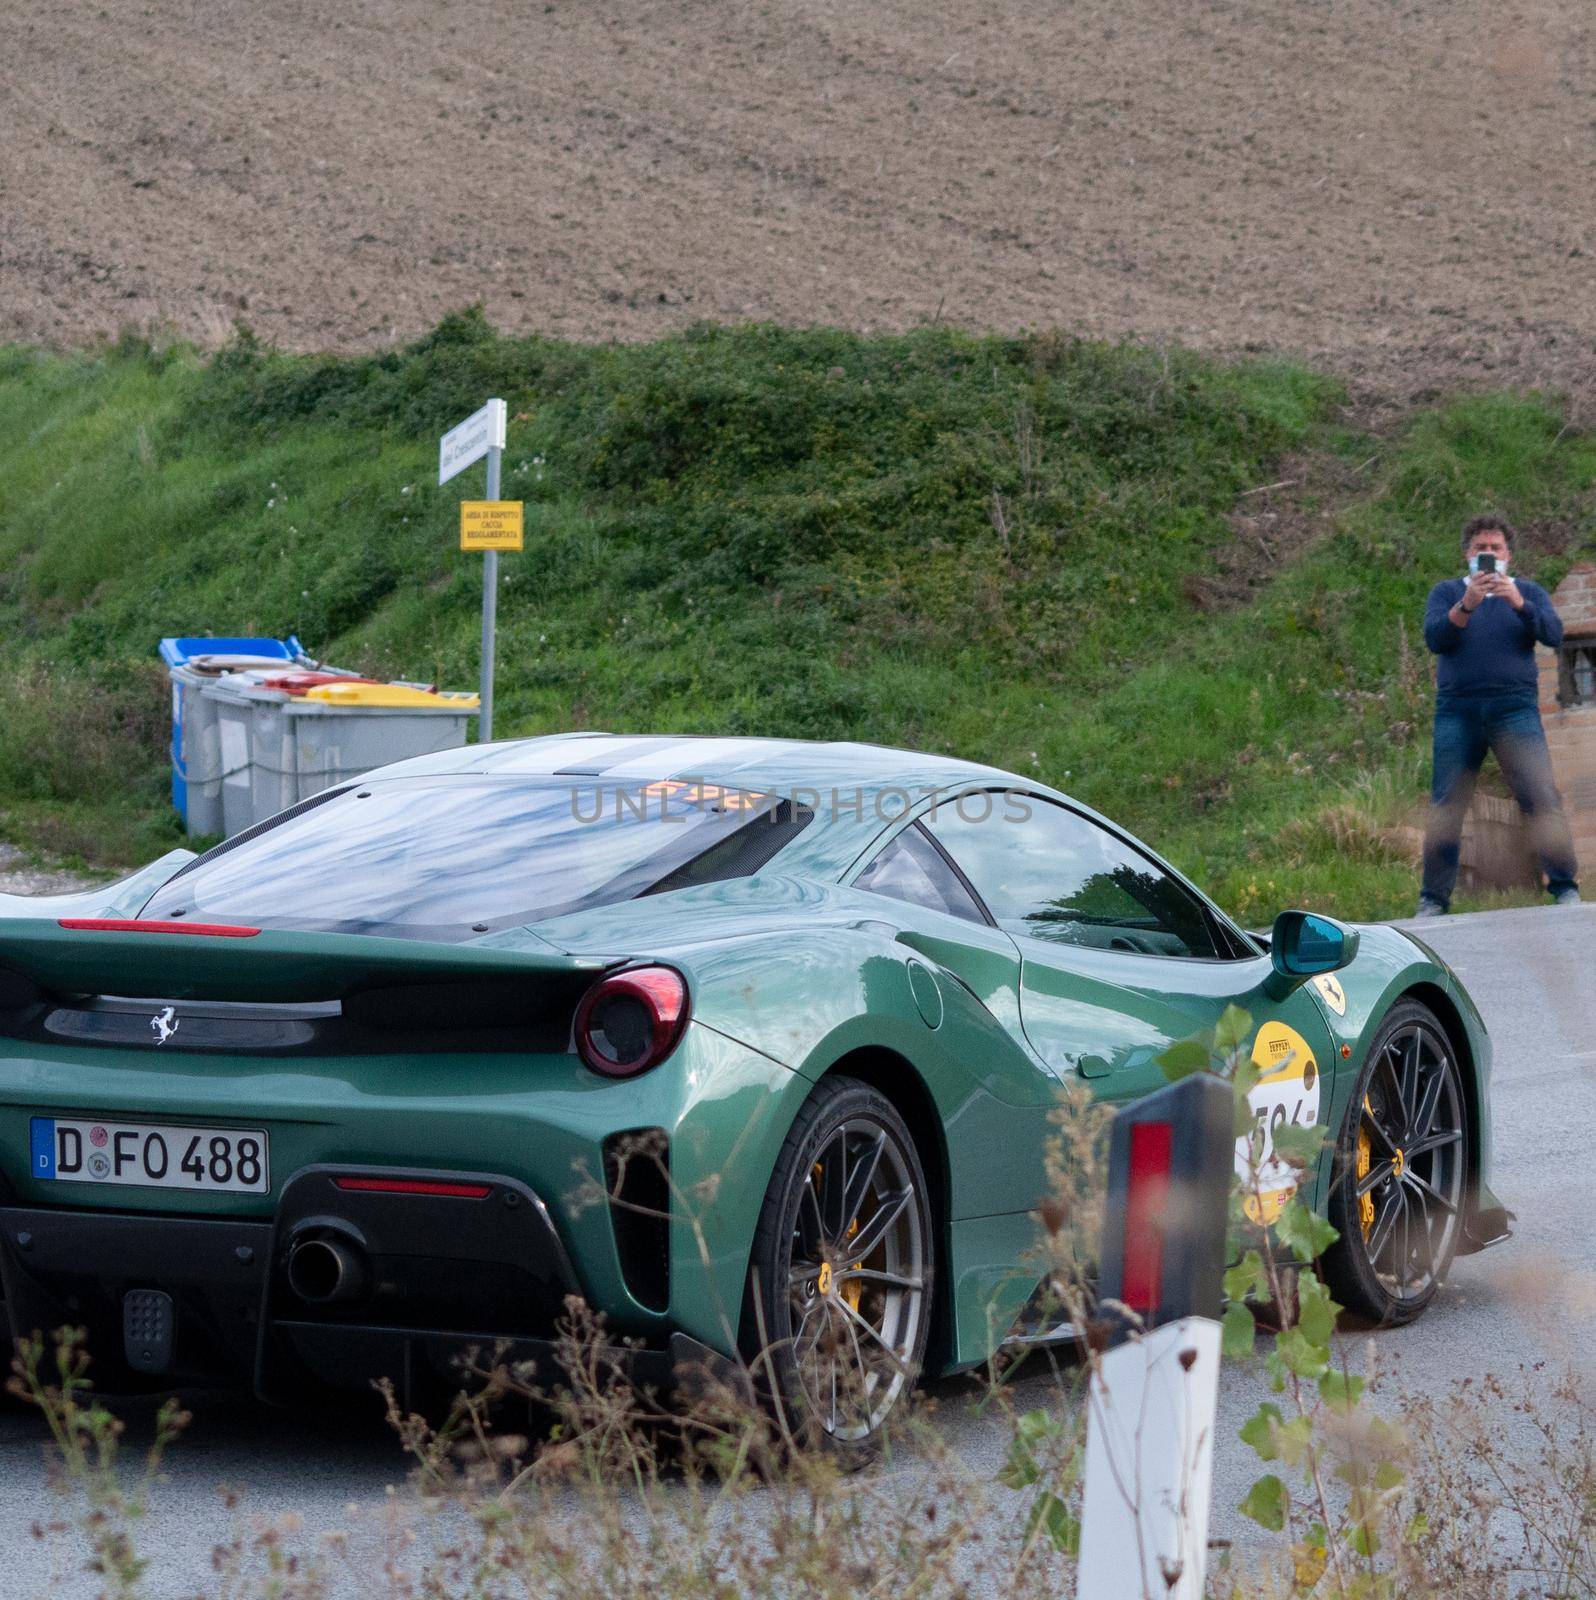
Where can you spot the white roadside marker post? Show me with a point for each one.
(489, 525)
(1150, 1415)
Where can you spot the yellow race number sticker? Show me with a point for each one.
(1287, 1094)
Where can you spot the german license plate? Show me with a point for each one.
(151, 1155)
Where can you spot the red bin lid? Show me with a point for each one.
(299, 682)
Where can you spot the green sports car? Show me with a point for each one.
(733, 1038)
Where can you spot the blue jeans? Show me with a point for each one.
(1510, 726)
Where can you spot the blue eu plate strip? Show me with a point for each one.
(44, 1147)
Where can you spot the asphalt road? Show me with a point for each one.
(1531, 1301)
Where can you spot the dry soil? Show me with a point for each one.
(1401, 190)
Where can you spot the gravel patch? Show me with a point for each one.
(19, 876)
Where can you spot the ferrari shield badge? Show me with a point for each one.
(1331, 993)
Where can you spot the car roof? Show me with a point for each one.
(857, 792)
(776, 765)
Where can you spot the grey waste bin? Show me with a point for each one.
(231, 702)
(278, 749)
(196, 751)
(193, 662)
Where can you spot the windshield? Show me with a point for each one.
(453, 857)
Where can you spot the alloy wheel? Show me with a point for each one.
(857, 1278)
(1410, 1161)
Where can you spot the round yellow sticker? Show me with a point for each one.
(1287, 1094)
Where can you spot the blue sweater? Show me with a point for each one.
(1495, 653)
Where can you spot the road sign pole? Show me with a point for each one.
(490, 610)
(488, 526)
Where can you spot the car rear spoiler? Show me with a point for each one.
(200, 961)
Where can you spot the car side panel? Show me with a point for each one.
(819, 999)
(810, 1001)
(991, 1277)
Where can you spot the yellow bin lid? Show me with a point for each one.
(390, 695)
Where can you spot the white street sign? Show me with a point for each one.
(481, 432)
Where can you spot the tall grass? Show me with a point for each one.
(977, 545)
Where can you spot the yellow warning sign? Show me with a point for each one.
(491, 524)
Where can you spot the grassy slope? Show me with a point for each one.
(977, 545)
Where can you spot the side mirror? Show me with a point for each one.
(1305, 944)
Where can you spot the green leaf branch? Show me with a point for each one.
(1317, 1432)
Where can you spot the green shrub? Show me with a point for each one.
(1015, 549)
(83, 734)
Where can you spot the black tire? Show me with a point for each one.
(844, 1328)
(1400, 1217)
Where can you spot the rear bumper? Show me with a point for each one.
(440, 1277)
(544, 1121)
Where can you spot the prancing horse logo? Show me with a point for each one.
(165, 1024)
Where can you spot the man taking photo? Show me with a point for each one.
(1484, 629)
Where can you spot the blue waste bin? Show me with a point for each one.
(197, 768)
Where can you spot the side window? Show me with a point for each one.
(911, 868)
(1047, 873)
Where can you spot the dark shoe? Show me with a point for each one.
(1566, 897)
(1430, 908)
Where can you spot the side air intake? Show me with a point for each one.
(637, 1174)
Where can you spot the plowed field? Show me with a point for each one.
(1400, 190)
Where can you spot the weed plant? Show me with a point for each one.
(1368, 1495)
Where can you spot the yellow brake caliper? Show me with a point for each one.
(852, 1289)
(851, 1292)
(1365, 1161)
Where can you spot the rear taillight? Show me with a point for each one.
(426, 1186)
(630, 1021)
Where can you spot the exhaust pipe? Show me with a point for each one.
(325, 1272)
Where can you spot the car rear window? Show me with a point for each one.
(454, 857)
